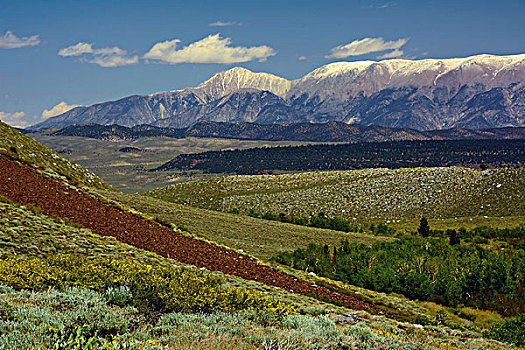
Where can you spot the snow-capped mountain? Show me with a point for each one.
(347, 79)
(481, 91)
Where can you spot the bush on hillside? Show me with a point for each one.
(154, 288)
(510, 331)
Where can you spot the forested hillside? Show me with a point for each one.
(393, 155)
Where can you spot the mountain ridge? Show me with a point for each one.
(322, 132)
(483, 91)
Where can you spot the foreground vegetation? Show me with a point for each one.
(118, 316)
(63, 319)
(149, 288)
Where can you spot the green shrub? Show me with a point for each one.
(510, 331)
(422, 320)
(426, 269)
(120, 296)
(74, 337)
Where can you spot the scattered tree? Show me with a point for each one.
(424, 228)
(453, 237)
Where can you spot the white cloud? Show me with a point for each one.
(104, 57)
(386, 5)
(212, 49)
(301, 58)
(60, 108)
(225, 24)
(14, 119)
(76, 50)
(114, 60)
(364, 46)
(379, 5)
(392, 54)
(11, 41)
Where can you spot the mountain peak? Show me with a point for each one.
(341, 80)
(224, 83)
(237, 70)
(338, 68)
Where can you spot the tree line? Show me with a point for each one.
(479, 234)
(322, 221)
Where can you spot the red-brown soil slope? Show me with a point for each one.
(24, 186)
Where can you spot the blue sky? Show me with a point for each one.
(69, 53)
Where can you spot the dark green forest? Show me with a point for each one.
(400, 154)
(427, 269)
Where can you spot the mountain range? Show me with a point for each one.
(477, 92)
(315, 132)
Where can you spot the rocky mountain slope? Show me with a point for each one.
(483, 91)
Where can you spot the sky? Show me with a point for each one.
(55, 55)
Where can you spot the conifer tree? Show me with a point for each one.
(423, 229)
(453, 237)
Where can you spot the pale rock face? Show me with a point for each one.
(482, 91)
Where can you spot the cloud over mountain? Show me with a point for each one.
(391, 54)
(364, 46)
(212, 49)
(13, 119)
(60, 108)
